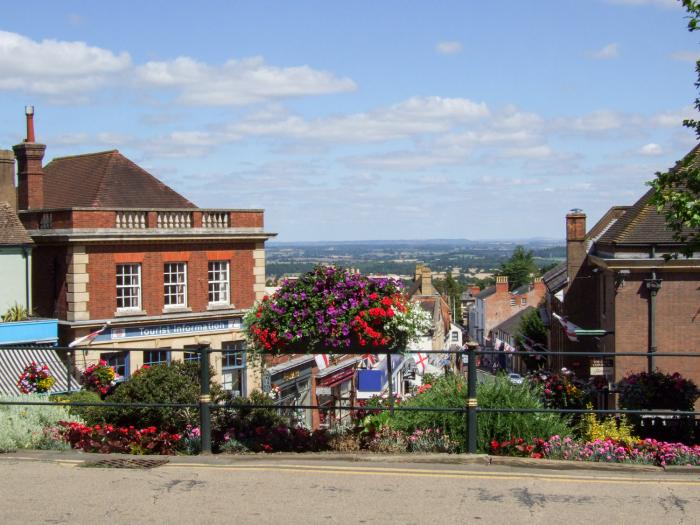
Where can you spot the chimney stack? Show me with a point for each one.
(419, 271)
(501, 284)
(426, 285)
(474, 290)
(7, 178)
(575, 242)
(30, 176)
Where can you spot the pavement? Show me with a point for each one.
(55, 487)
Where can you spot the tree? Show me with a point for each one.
(520, 267)
(677, 191)
(532, 335)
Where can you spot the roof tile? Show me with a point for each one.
(105, 180)
(12, 233)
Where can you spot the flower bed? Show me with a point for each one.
(126, 440)
(644, 452)
(333, 310)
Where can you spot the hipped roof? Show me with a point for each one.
(105, 180)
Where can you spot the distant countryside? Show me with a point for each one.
(468, 261)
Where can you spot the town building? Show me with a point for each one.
(119, 254)
(496, 304)
(504, 337)
(625, 278)
(468, 302)
(24, 338)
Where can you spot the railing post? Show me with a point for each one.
(69, 371)
(204, 399)
(390, 381)
(471, 399)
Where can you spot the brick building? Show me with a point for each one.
(618, 278)
(496, 304)
(115, 245)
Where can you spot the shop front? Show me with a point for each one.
(335, 393)
(129, 345)
(290, 384)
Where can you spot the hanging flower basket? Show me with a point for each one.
(331, 310)
(35, 378)
(99, 377)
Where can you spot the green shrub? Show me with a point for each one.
(176, 382)
(493, 426)
(91, 415)
(446, 391)
(660, 391)
(31, 426)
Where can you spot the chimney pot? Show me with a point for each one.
(29, 112)
(30, 174)
(501, 284)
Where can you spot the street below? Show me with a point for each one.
(261, 490)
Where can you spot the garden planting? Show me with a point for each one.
(333, 310)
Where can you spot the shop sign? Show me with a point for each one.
(601, 367)
(166, 330)
(292, 374)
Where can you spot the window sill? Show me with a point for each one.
(129, 313)
(220, 306)
(176, 309)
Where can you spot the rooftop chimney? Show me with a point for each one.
(426, 284)
(419, 271)
(501, 284)
(30, 177)
(7, 178)
(575, 242)
(29, 112)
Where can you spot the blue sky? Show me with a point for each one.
(365, 120)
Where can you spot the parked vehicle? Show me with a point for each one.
(516, 379)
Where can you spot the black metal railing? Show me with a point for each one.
(471, 410)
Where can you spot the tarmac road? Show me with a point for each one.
(46, 488)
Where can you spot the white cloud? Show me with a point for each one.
(69, 70)
(607, 52)
(651, 150)
(685, 56)
(414, 116)
(596, 121)
(673, 119)
(239, 82)
(53, 67)
(449, 48)
(532, 152)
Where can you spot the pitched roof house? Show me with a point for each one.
(624, 276)
(118, 249)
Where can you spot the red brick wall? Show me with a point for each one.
(247, 219)
(498, 305)
(49, 281)
(677, 322)
(102, 270)
(93, 219)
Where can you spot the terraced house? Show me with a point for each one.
(118, 250)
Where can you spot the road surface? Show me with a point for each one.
(302, 491)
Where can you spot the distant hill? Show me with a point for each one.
(465, 257)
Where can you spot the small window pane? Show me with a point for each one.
(219, 282)
(175, 284)
(128, 286)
